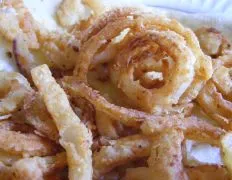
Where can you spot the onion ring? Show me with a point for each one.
(216, 97)
(198, 67)
(193, 127)
(125, 64)
(212, 42)
(13, 90)
(129, 117)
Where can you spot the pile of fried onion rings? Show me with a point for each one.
(154, 45)
(114, 97)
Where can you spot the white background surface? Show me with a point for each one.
(191, 6)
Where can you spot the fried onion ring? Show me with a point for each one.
(129, 117)
(126, 63)
(212, 42)
(216, 97)
(155, 35)
(13, 89)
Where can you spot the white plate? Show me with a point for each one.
(189, 6)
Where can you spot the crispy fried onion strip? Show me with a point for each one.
(120, 152)
(198, 67)
(216, 97)
(13, 87)
(26, 144)
(60, 49)
(17, 23)
(74, 136)
(105, 125)
(129, 117)
(15, 20)
(193, 128)
(126, 116)
(57, 50)
(165, 160)
(137, 146)
(23, 57)
(35, 113)
(33, 168)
